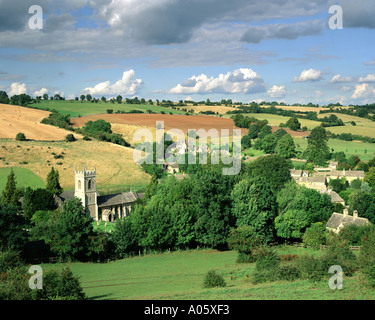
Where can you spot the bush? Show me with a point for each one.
(267, 265)
(70, 138)
(8, 260)
(288, 272)
(311, 268)
(315, 235)
(212, 280)
(20, 137)
(338, 253)
(244, 240)
(62, 286)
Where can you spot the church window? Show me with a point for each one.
(79, 184)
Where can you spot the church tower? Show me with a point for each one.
(85, 190)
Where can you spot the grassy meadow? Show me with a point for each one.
(24, 177)
(116, 169)
(276, 120)
(179, 276)
(365, 151)
(85, 108)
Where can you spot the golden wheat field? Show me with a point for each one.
(115, 165)
(15, 119)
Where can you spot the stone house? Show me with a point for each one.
(340, 220)
(171, 168)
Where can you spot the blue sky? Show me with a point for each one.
(244, 50)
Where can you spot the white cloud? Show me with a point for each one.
(127, 85)
(309, 75)
(368, 78)
(277, 92)
(339, 79)
(363, 91)
(41, 92)
(240, 81)
(17, 88)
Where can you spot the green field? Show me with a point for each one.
(24, 177)
(276, 120)
(85, 108)
(179, 276)
(365, 151)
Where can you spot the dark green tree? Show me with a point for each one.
(72, 240)
(11, 195)
(317, 149)
(13, 234)
(53, 182)
(254, 204)
(4, 97)
(37, 200)
(253, 131)
(273, 168)
(293, 124)
(285, 147)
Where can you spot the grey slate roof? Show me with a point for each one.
(118, 199)
(337, 219)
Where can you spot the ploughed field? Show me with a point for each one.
(181, 122)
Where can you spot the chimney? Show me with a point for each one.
(346, 212)
(355, 214)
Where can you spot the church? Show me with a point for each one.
(101, 208)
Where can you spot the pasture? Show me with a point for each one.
(79, 108)
(116, 168)
(24, 177)
(179, 276)
(365, 151)
(276, 120)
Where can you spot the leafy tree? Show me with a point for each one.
(97, 126)
(299, 207)
(246, 142)
(285, 147)
(70, 138)
(4, 97)
(124, 238)
(37, 200)
(315, 236)
(364, 203)
(253, 131)
(88, 97)
(273, 168)
(72, 240)
(291, 224)
(83, 97)
(13, 234)
(53, 182)
(317, 149)
(119, 99)
(293, 124)
(45, 96)
(266, 130)
(370, 177)
(11, 195)
(268, 144)
(20, 136)
(280, 133)
(213, 208)
(254, 205)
